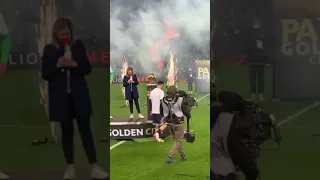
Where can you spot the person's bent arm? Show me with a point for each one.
(135, 80)
(125, 81)
(241, 155)
(49, 63)
(83, 63)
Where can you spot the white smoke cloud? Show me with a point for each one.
(147, 28)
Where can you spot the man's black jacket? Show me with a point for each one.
(254, 54)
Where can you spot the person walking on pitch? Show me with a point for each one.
(174, 111)
(156, 96)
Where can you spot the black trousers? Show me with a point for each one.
(67, 130)
(136, 102)
(190, 86)
(256, 78)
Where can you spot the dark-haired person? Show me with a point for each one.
(257, 60)
(130, 83)
(190, 80)
(156, 96)
(65, 66)
(5, 47)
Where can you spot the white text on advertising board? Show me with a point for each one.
(300, 38)
(204, 73)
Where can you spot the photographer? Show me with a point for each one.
(228, 153)
(174, 111)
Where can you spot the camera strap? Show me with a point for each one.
(170, 103)
(170, 111)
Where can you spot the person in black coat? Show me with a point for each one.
(130, 84)
(190, 81)
(65, 66)
(257, 60)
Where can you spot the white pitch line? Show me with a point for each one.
(203, 97)
(197, 100)
(117, 144)
(298, 113)
(281, 123)
(121, 142)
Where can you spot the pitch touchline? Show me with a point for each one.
(298, 113)
(121, 142)
(197, 100)
(117, 144)
(281, 123)
(203, 97)
(45, 127)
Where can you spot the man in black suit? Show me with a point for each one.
(257, 60)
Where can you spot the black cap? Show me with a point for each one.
(160, 83)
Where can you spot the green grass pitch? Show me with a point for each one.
(146, 160)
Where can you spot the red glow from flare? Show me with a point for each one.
(170, 35)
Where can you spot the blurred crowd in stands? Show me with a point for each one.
(185, 61)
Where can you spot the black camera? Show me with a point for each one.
(254, 125)
(188, 100)
(190, 137)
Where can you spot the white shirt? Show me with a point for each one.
(111, 71)
(156, 95)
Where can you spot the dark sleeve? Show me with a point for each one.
(49, 63)
(135, 80)
(125, 81)
(241, 155)
(150, 104)
(83, 63)
(161, 108)
(185, 110)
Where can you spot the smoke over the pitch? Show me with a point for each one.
(137, 27)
